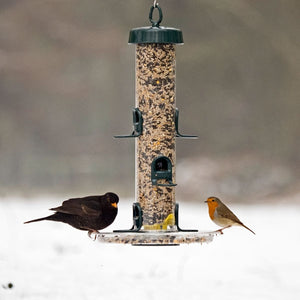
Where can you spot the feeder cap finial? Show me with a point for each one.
(155, 33)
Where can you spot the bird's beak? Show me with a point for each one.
(205, 201)
(115, 205)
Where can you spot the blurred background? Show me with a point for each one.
(67, 86)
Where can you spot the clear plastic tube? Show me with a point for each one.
(155, 98)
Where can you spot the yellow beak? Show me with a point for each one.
(115, 205)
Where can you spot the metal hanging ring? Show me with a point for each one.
(155, 23)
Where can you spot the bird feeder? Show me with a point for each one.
(155, 129)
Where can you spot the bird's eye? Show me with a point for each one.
(213, 200)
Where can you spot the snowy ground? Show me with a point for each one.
(50, 260)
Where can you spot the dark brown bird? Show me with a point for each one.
(91, 213)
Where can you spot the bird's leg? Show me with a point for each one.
(221, 230)
(90, 232)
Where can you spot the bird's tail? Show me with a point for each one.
(37, 220)
(248, 228)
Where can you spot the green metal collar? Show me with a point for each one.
(155, 33)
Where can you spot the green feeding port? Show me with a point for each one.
(161, 169)
(137, 120)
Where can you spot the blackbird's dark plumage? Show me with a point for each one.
(91, 213)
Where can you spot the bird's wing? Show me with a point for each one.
(228, 214)
(81, 206)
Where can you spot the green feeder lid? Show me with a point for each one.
(155, 33)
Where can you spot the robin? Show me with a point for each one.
(221, 215)
(91, 213)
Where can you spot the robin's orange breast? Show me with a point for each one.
(211, 209)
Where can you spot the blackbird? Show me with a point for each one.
(91, 213)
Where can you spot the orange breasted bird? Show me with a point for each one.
(221, 215)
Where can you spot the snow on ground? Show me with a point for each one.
(49, 260)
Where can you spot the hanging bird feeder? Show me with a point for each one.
(155, 128)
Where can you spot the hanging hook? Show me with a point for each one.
(160, 17)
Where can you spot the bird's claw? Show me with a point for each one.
(221, 230)
(95, 232)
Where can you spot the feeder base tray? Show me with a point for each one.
(158, 238)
